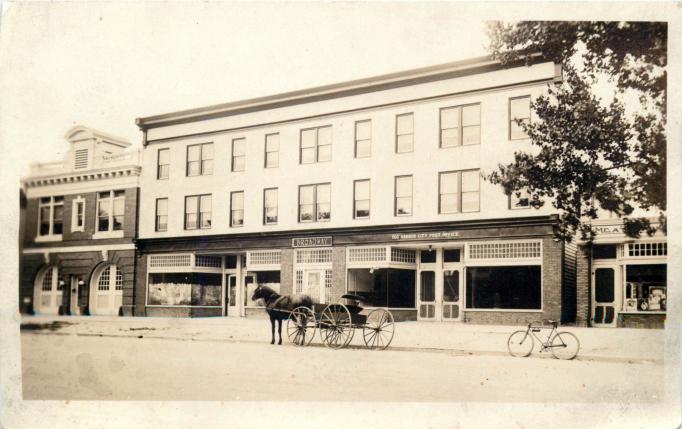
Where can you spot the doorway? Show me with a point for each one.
(604, 296)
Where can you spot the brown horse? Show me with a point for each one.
(279, 307)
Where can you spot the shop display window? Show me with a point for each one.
(645, 288)
(270, 279)
(184, 289)
(383, 287)
(509, 288)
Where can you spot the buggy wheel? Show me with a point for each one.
(520, 344)
(379, 329)
(565, 345)
(335, 326)
(301, 326)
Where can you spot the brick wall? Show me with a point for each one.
(582, 286)
(338, 272)
(286, 279)
(649, 321)
(140, 293)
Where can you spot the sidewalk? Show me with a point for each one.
(634, 345)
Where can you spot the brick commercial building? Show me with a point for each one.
(80, 221)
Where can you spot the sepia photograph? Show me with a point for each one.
(361, 214)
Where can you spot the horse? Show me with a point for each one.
(279, 307)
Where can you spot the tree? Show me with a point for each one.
(591, 153)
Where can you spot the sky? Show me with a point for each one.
(104, 64)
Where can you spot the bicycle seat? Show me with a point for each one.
(552, 322)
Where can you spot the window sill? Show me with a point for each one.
(642, 312)
(107, 234)
(48, 238)
(78, 230)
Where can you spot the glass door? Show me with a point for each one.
(451, 295)
(604, 297)
(314, 285)
(231, 297)
(427, 296)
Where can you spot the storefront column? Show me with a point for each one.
(338, 272)
(583, 286)
(286, 275)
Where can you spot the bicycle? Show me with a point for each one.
(563, 345)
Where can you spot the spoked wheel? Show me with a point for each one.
(301, 326)
(378, 331)
(565, 345)
(520, 344)
(335, 326)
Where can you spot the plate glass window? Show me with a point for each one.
(51, 216)
(163, 164)
(403, 196)
(519, 109)
(200, 159)
(110, 210)
(404, 133)
(460, 125)
(270, 206)
(237, 208)
(272, 151)
(361, 199)
(316, 145)
(198, 212)
(161, 214)
(363, 139)
(239, 154)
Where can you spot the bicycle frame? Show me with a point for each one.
(544, 344)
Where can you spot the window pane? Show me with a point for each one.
(404, 124)
(470, 180)
(162, 223)
(519, 108)
(205, 219)
(324, 153)
(163, 171)
(193, 153)
(191, 220)
(238, 163)
(404, 143)
(516, 132)
(604, 286)
(271, 215)
(238, 147)
(272, 159)
(363, 130)
(451, 255)
(118, 194)
(504, 287)
(427, 289)
(403, 186)
(305, 195)
(362, 190)
(237, 201)
(207, 151)
(44, 220)
(207, 166)
(272, 142)
(237, 217)
(103, 208)
(308, 138)
(404, 205)
(471, 135)
(324, 211)
(427, 256)
(58, 219)
(119, 207)
(308, 155)
(451, 286)
(191, 204)
(306, 212)
(59, 199)
(271, 198)
(323, 193)
(448, 203)
(106, 194)
(164, 156)
(449, 183)
(205, 203)
(162, 206)
(324, 136)
(193, 168)
(470, 201)
(361, 208)
(449, 118)
(471, 115)
(363, 149)
(449, 138)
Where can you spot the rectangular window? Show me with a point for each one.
(272, 151)
(646, 287)
(510, 288)
(458, 192)
(110, 210)
(460, 125)
(237, 208)
(519, 109)
(78, 215)
(519, 200)
(51, 216)
(198, 212)
(403, 196)
(382, 287)
(185, 289)
(604, 251)
(314, 202)
(363, 139)
(270, 206)
(361, 199)
(163, 164)
(239, 154)
(200, 159)
(404, 133)
(316, 145)
(161, 214)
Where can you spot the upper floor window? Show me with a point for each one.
(519, 108)
(51, 216)
(161, 214)
(363, 139)
(458, 192)
(519, 199)
(110, 210)
(78, 214)
(314, 202)
(404, 133)
(163, 164)
(361, 199)
(272, 151)
(316, 145)
(198, 212)
(237, 208)
(403, 196)
(239, 154)
(270, 206)
(460, 125)
(200, 159)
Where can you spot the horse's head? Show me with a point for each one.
(261, 292)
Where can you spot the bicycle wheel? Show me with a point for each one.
(565, 345)
(520, 344)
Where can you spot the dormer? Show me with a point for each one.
(91, 147)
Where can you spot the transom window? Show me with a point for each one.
(316, 145)
(519, 108)
(363, 139)
(161, 214)
(314, 202)
(237, 208)
(51, 216)
(200, 159)
(163, 164)
(270, 206)
(361, 199)
(403, 196)
(459, 192)
(108, 282)
(460, 125)
(272, 151)
(239, 154)
(110, 210)
(198, 212)
(404, 133)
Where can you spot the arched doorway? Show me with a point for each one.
(47, 291)
(106, 291)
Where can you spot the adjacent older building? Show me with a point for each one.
(79, 228)
(374, 187)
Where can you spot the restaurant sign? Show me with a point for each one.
(426, 235)
(311, 242)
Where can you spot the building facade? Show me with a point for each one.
(80, 221)
(374, 187)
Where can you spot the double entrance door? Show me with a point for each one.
(439, 294)
(239, 291)
(605, 296)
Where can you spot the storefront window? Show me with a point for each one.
(511, 288)
(383, 287)
(604, 251)
(646, 287)
(262, 278)
(193, 289)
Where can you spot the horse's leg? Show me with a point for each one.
(279, 329)
(272, 323)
